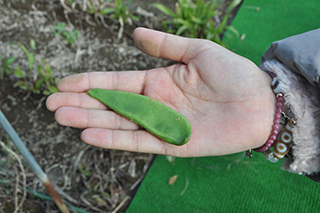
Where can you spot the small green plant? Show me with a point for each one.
(70, 35)
(5, 69)
(38, 81)
(195, 18)
(85, 173)
(44, 70)
(120, 12)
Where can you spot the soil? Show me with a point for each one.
(86, 177)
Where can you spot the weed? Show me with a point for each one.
(195, 19)
(122, 13)
(29, 80)
(85, 173)
(70, 35)
(5, 69)
(116, 10)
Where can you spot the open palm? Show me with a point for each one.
(226, 98)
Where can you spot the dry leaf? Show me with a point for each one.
(173, 179)
(100, 201)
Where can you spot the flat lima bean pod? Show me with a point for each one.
(157, 118)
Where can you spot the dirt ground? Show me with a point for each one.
(86, 177)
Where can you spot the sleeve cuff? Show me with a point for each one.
(304, 101)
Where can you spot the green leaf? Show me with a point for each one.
(74, 35)
(22, 85)
(233, 5)
(30, 56)
(23, 48)
(7, 62)
(59, 27)
(18, 72)
(107, 11)
(135, 18)
(164, 9)
(46, 92)
(36, 91)
(39, 67)
(196, 20)
(91, 9)
(56, 81)
(53, 89)
(39, 83)
(32, 44)
(48, 69)
(178, 11)
(182, 29)
(1, 70)
(31, 60)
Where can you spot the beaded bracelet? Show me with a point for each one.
(275, 127)
(281, 141)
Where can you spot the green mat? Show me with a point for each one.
(234, 183)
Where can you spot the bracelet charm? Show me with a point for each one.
(284, 142)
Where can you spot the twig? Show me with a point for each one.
(17, 189)
(136, 183)
(100, 17)
(23, 175)
(185, 187)
(32, 162)
(65, 6)
(16, 120)
(121, 204)
(120, 32)
(66, 196)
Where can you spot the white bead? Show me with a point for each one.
(271, 158)
(276, 86)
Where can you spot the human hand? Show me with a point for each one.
(227, 99)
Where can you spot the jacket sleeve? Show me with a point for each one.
(296, 62)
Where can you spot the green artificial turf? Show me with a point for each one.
(234, 183)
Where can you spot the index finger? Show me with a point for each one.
(129, 81)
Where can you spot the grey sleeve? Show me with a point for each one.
(296, 62)
(300, 53)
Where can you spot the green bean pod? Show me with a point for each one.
(157, 118)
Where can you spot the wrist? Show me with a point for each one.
(267, 121)
(280, 139)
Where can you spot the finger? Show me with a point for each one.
(80, 100)
(136, 141)
(170, 46)
(130, 81)
(82, 118)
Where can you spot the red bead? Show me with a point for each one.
(275, 132)
(278, 110)
(280, 99)
(273, 137)
(269, 144)
(275, 126)
(277, 115)
(279, 104)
